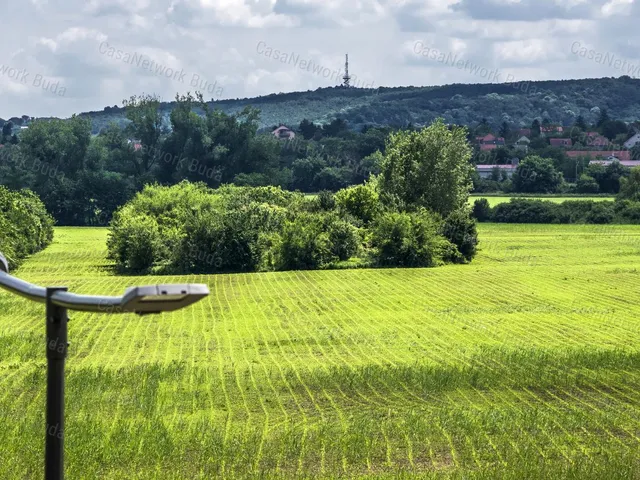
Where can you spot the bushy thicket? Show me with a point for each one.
(193, 228)
(25, 225)
(520, 210)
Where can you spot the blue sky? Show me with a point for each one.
(61, 57)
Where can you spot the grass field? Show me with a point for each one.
(524, 364)
(495, 200)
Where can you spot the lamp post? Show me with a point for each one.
(140, 300)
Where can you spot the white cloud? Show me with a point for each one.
(215, 41)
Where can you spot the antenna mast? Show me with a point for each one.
(346, 77)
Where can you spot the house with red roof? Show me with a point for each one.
(490, 142)
(283, 132)
(621, 155)
(551, 130)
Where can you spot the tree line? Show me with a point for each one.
(82, 178)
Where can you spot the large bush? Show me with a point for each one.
(519, 210)
(191, 228)
(410, 240)
(361, 201)
(536, 175)
(195, 228)
(481, 209)
(460, 229)
(315, 240)
(25, 225)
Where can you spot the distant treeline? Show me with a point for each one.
(82, 178)
(520, 210)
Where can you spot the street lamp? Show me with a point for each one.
(140, 300)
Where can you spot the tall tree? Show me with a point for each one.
(536, 175)
(603, 118)
(307, 129)
(504, 130)
(427, 168)
(535, 128)
(146, 127)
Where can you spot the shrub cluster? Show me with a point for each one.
(25, 225)
(520, 210)
(191, 228)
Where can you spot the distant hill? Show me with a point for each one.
(467, 104)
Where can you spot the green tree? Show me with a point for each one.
(6, 132)
(587, 184)
(603, 118)
(307, 129)
(535, 128)
(580, 123)
(612, 128)
(427, 168)
(504, 130)
(630, 186)
(536, 175)
(146, 126)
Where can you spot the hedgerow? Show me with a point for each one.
(191, 228)
(25, 225)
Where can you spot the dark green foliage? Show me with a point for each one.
(326, 200)
(523, 211)
(600, 213)
(519, 210)
(481, 209)
(460, 229)
(410, 240)
(190, 228)
(587, 184)
(536, 175)
(198, 229)
(609, 177)
(315, 240)
(361, 201)
(25, 225)
(627, 211)
(630, 187)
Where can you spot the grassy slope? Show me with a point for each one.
(495, 200)
(522, 364)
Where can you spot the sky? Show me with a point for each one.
(60, 57)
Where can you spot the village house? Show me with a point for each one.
(597, 141)
(621, 155)
(551, 130)
(522, 144)
(490, 142)
(624, 163)
(560, 142)
(284, 133)
(633, 141)
(486, 171)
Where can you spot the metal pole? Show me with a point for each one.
(56, 354)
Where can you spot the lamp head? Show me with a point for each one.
(162, 298)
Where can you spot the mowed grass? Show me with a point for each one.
(496, 200)
(524, 364)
